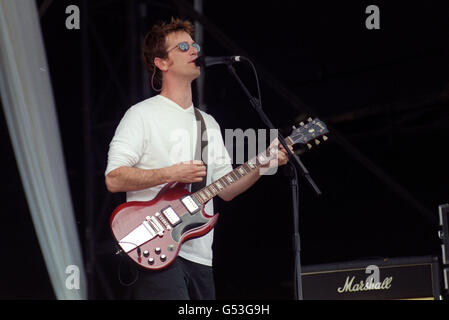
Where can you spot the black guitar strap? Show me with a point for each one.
(200, 146)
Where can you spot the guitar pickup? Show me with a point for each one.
(171, 216)
(190, 204)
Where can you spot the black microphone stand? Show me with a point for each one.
(295, 163)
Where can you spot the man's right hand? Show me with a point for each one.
(188, 171)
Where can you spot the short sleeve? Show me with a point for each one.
(127, 145)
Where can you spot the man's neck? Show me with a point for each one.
(181, 93)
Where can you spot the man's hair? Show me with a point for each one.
(154, 45)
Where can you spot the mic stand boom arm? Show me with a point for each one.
(295, 163)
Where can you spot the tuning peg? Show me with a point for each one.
(309, 146)
(310, 119)
(317, 142)
(301, 124)
(325, 138)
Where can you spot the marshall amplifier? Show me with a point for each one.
(377, 279)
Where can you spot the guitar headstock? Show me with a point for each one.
(306, 132)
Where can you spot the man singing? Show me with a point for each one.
(142, 157)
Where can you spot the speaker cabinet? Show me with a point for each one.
(373, 279)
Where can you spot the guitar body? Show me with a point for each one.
(151, 232)
(153, 239)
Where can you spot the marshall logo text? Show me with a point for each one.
(383, 279)
(369, 285)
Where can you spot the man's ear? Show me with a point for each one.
(161, 64)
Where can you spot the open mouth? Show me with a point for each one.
(194, 61)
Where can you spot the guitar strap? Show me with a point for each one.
(200, 146)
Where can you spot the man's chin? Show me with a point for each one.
(197, 74)
(191, 75)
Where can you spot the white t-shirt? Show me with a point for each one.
(158, 133)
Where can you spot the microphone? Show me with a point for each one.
(203, 61)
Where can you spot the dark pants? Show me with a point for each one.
(182, 280)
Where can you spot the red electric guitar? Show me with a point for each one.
(151, 232)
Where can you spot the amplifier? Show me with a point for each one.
(373, 279)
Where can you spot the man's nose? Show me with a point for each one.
(193, 52)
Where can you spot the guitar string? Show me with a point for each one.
(235, 177)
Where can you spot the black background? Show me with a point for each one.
(385, 92)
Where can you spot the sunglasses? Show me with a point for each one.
(184, 47)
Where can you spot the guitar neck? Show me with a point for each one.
(205, 194)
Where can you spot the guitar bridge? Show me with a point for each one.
(141, 234)
(156, 225)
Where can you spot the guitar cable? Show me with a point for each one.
(120, 265)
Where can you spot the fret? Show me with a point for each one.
(214, 189)
(223, 181)
(206, 191)
(197, 197)
(252, 164)
(261, 158)
(211, 190)
(247, 167)
(219, 185)
(236, 174)
(200, 198)
(242, 170)
(216, 186)
(202, 195)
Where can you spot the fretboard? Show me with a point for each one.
(205, 194)
(210, 191)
